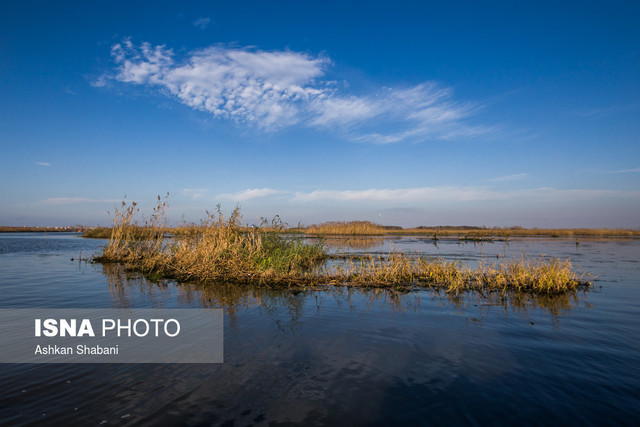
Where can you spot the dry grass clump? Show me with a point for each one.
(536, 275)
(221, 250)
(218, 250)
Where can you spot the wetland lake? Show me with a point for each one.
(345, 356)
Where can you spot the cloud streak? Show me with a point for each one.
(43, 164)
(250, 193)
(405, 195)
(508, 177)
(421, 195)
(277, 89)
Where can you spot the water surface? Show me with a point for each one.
(345, 356)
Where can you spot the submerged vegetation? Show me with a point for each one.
(222, 250)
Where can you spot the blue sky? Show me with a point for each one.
(402, 113)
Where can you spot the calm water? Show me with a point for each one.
(345, 357)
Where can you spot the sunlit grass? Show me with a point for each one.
(548, 276)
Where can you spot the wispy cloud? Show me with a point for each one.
(508, 177)
(427, 195)
(634, 170)
(43, 164)
(250, 193)
(605, 111)
(277, 89)
(74, 200)
(195, 193)
(404, 195)
(100, 81)
(202, 23)
(595, 112)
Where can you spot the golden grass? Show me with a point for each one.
(542, 276)
(346, 228)
(221, 250)
(218, 250)
(97, 233)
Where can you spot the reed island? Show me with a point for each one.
(221, 249)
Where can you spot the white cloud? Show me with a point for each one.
(195, 193)
(43, 164)
(202, 23)
(508, 177)
(265, 88)
(74, 200)
(250, 193)
(276, 89)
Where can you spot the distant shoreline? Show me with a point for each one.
(7, 229)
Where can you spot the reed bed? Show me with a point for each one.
(346, 228)
(222, 250)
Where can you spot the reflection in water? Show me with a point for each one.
(519, 302)
(353, 242)
(126, 285)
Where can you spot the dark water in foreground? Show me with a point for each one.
(344, 357)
